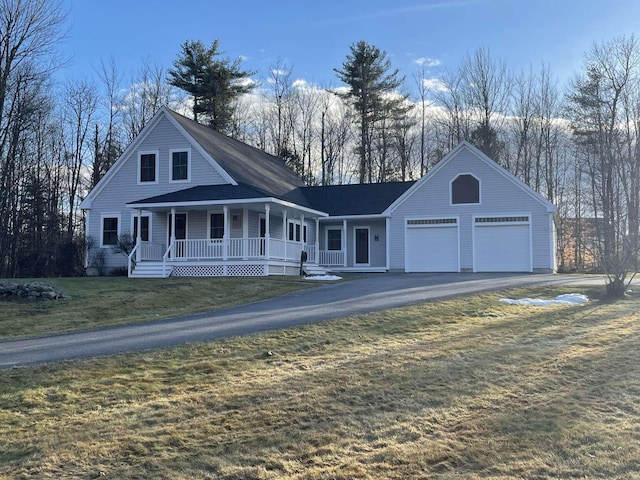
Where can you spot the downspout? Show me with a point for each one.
(267, 227)
(139, 237)
(344, 242)
(317, 252)
(225, 233)
(386, 239)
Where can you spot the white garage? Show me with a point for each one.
(502, 244)
(432, 245)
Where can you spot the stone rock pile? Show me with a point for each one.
(28, 291)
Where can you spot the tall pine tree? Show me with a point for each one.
(213, 83)
(372, 93)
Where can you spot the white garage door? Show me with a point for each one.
(432, 245)
(502, 244)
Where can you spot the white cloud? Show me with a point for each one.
(301, 84)
(435, 84)
(340, 90)
(247, 82)
(427, 61)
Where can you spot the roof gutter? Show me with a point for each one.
(374, 216)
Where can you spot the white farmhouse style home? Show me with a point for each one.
(198, 203)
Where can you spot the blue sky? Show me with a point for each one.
(314, 36)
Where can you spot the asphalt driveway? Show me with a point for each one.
(364, 294)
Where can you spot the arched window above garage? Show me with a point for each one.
(465, 188)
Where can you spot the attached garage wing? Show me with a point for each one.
(432, 245)
(502, 244)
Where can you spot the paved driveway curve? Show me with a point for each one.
(363, 294)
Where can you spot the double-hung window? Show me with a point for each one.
(144, 232)
(148, 167)
(216, 225)
(180, 165)
(334, 239)
(110, 229)
(297, 232)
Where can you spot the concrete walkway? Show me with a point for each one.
(363, 294)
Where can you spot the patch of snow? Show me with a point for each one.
(323, 277)
(566, 299)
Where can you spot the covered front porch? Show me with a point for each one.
(237, 238)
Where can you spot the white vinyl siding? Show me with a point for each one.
(500, 197)
(123, 186)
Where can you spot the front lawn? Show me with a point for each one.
(106, 301)
(461, 388)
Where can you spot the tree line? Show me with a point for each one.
(577, 144)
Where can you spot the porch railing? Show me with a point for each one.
(331, 257)
(239, 248)
(151, 250)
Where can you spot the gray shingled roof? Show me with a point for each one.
(261, 175)
(203, 193)
(356, 199)
(246, 164)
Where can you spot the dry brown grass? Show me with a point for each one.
(463, 388)
(107, 301)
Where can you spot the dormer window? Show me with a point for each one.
(465, 189)
(148, 167)
(180, 165)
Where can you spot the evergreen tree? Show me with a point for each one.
(214, 84)
(372, 93)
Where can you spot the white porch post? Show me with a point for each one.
(172, 239)
(344, 243)
(225, 234)
(302, 242)
(267, 223)
(284, 226)
(139, 237)
(284, 232)
(317, 240)
(245, 233)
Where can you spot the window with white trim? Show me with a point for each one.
(148, 167)
(145, 234)
(465, 189)
(296, 231)
(334, 239)
(180, 165)
(216, 225)
(109, 230)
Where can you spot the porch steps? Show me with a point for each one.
(314, 269)
(150, 270)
